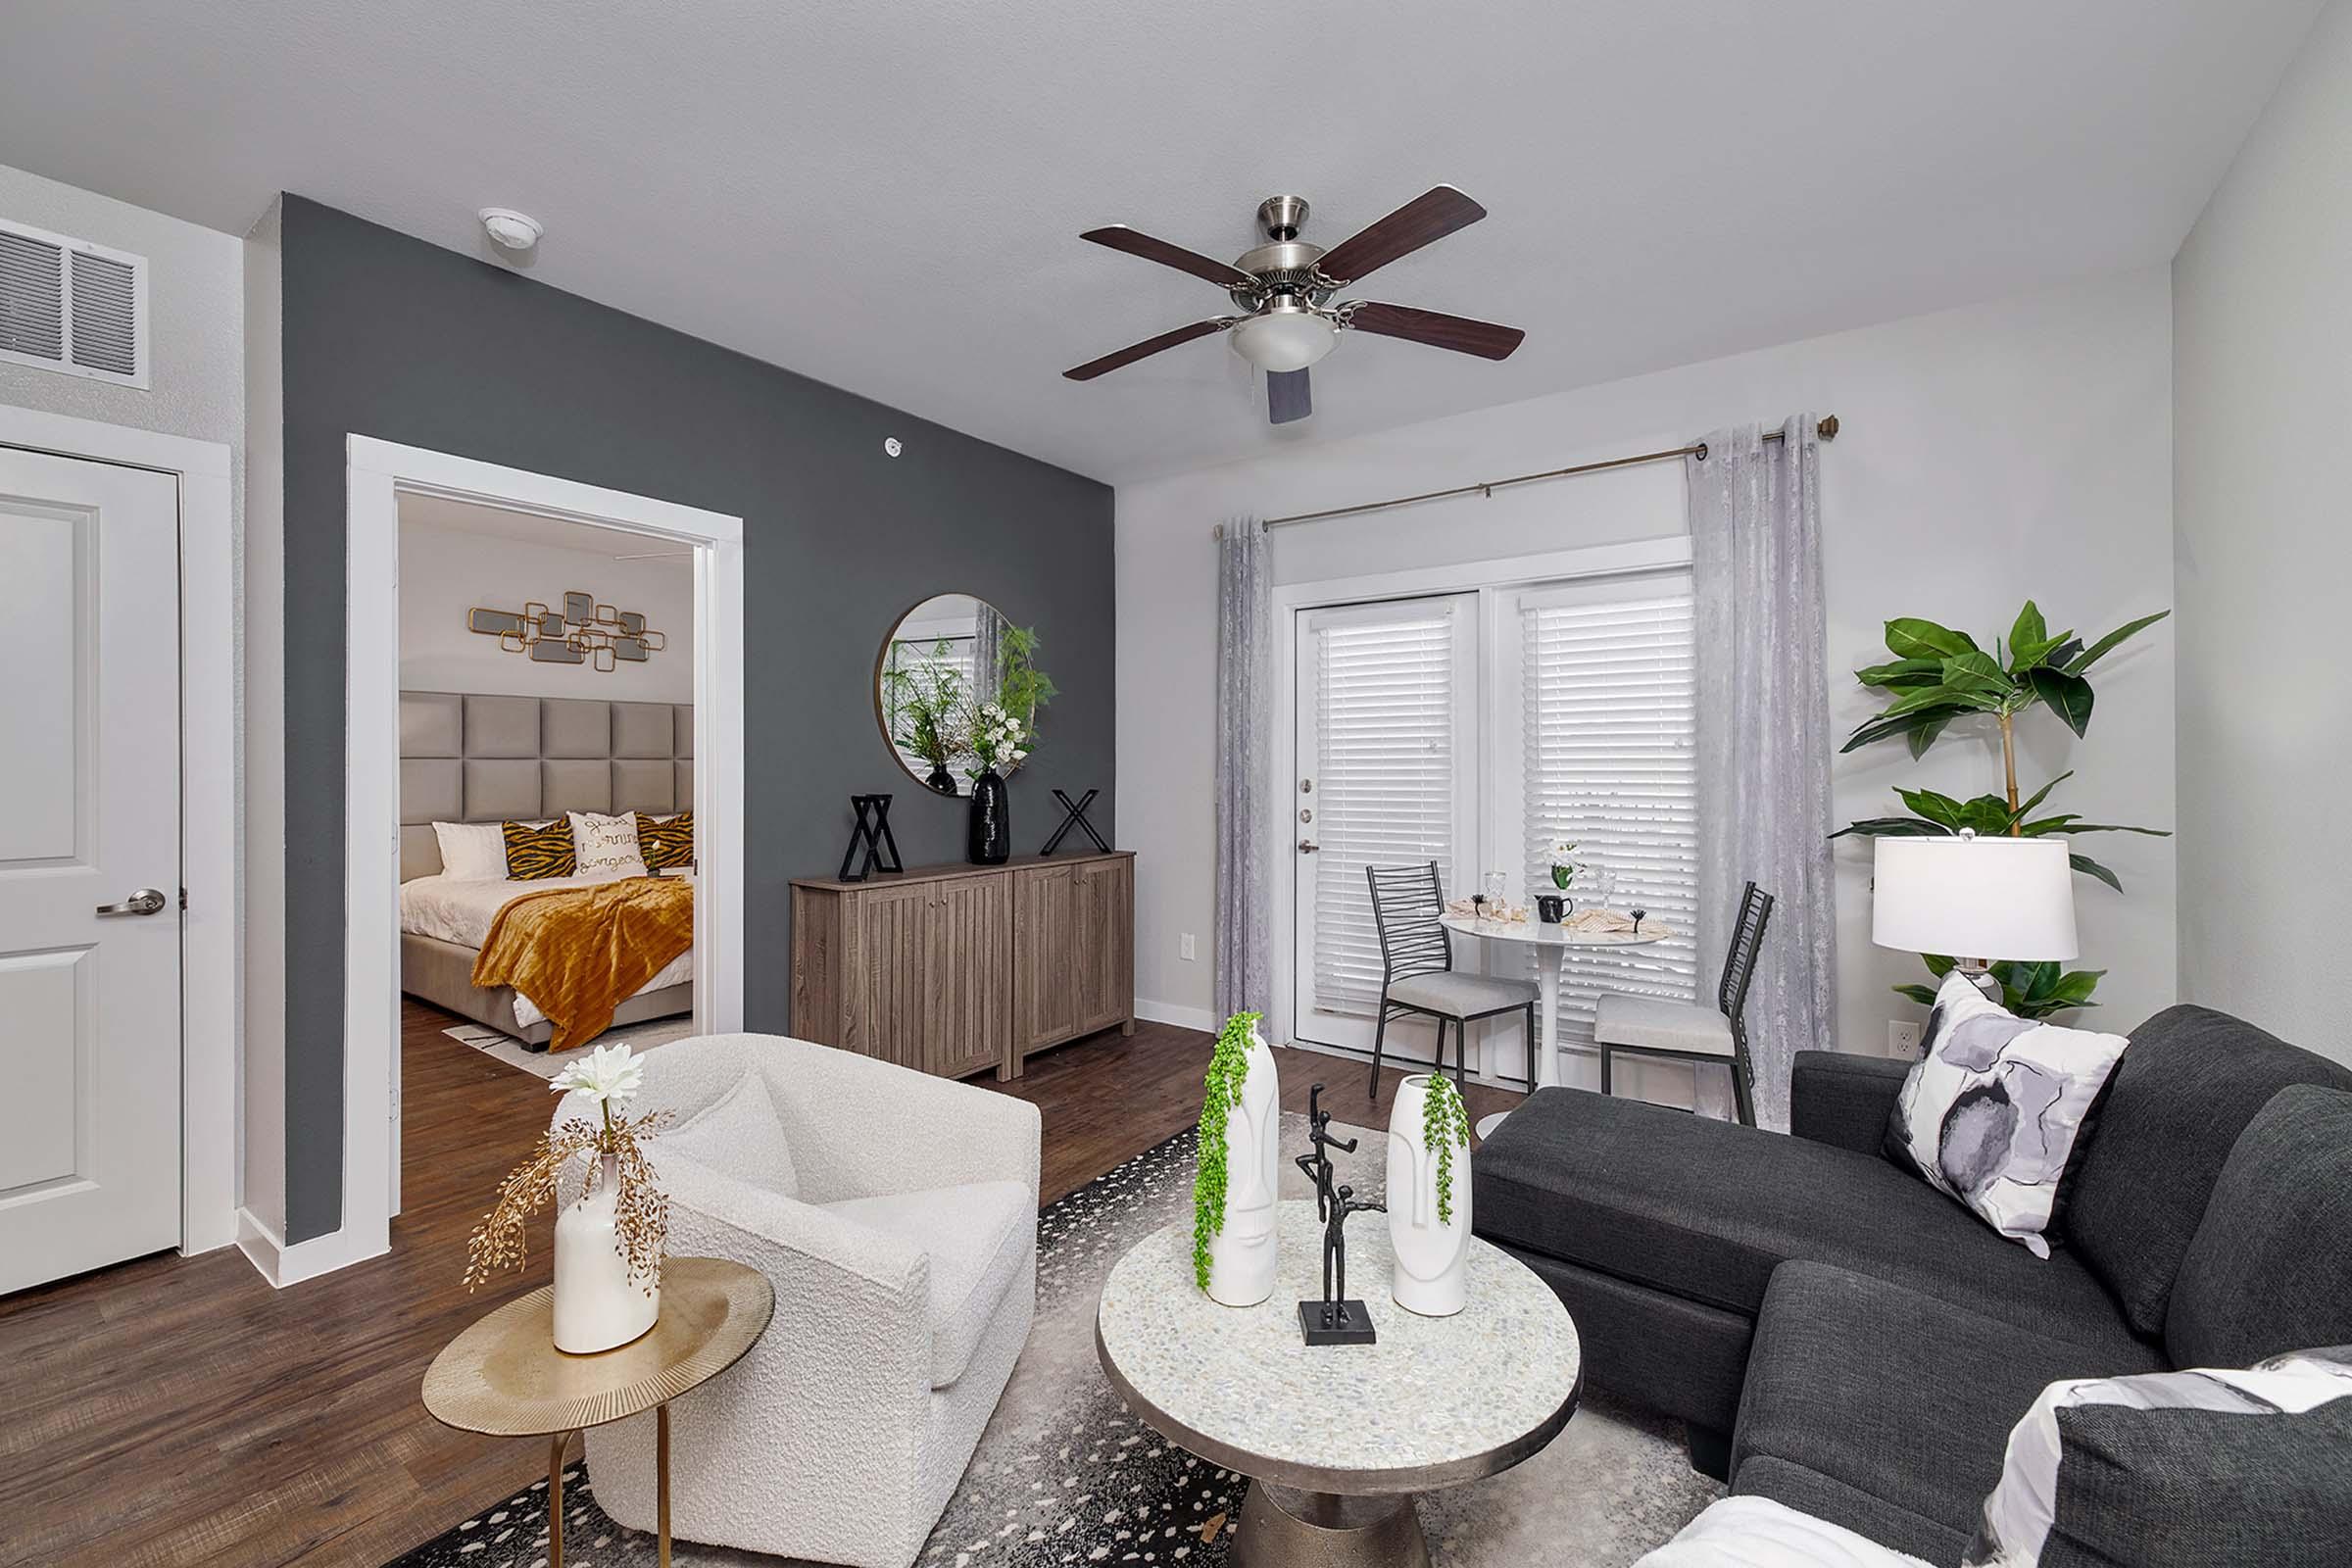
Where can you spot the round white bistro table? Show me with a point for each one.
(1336, 1439)
(1551, 944)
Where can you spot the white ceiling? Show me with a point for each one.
(887, 196)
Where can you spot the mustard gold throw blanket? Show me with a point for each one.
(579, 953)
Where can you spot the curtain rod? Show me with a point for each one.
(1696, 448)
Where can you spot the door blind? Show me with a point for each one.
(1384, 796)
(1610, 764)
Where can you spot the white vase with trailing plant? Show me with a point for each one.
(1238, 1180)
(1429, 1196)
(608, 1240)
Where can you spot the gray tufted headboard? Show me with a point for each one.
(473, 759)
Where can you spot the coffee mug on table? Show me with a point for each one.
(1551, 908)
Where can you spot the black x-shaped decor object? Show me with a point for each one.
(872, 831)
(1074, 817)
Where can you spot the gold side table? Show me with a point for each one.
(505, 1377)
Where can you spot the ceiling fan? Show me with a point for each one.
(1285, 288)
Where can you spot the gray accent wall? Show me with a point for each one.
(388, 336)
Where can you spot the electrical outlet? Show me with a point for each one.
(1902, 1037)
(1186, 952)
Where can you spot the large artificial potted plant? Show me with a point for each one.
(1238, 1175)
(1940, 677)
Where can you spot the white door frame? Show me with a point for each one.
(378, 473)
(212, 961)
(1485, 577)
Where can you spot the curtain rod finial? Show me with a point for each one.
(1828, 428)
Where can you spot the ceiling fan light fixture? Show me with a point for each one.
(1285, 338)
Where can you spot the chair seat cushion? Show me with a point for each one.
(1899, 1395)
(977, 1238)
(1623, 1020)
(1706, 1210)
(1462, 996)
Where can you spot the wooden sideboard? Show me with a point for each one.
(952, 968)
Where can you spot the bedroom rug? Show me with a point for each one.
(1066, 1475)
(639, 1037)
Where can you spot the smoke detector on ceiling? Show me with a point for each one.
(510, 230)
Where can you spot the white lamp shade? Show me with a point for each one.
(1284, 340)
(1974, 898)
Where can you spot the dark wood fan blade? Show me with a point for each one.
(1486, 339)
(1287, 397)
(1149, 347)
(1135, 242)
(1425, 220)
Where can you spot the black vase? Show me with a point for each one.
(941, 780)
(989, 840)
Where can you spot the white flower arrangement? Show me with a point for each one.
(998, 736)
(609, 1076)
(1563, 863)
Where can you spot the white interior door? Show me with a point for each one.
(1387, 746)
(89, 866)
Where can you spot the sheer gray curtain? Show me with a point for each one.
(1244, 742)
(1764, 735)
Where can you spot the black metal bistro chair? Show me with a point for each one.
(1691, 1031)
(1416, 967)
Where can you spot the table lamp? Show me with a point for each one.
(1978, 899)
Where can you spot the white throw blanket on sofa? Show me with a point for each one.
(1758, 1532)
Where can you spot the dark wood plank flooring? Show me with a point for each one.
(175, 1411)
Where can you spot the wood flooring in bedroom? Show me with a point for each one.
(176, 1412)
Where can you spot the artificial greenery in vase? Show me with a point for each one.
(1227, 1070)
(1939, 675)
(1445, 1126)
(925, 701)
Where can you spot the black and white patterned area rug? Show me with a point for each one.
(1064, 1475)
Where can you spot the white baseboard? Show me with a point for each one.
(282, 1264)
(1181, 1017)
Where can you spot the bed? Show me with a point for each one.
(469, 757)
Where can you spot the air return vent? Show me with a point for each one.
(70, 306)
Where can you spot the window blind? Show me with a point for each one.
(1385, 790)
(1610, 764)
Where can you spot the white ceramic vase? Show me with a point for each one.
(1241, 1256)
(599, 1304)
(1431, 1275)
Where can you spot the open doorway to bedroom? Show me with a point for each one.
(544, 788)
(547, 728)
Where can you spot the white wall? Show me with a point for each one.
(2263, 552)
(445, 571)
(196, 300)
(2011, 449)
(264, 673)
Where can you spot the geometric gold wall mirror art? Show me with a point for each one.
(583, 632)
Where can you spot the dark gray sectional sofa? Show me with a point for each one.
(1841, 1337)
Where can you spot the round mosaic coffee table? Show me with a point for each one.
(1336, 1439)
(505, 1377)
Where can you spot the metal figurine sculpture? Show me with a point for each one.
(1335, 1319)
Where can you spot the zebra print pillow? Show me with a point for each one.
(536, 850)
(666, 840)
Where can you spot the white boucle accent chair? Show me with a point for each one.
(896, 1214)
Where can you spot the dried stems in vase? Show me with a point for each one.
(610, 1076)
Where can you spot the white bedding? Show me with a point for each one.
(460, 912)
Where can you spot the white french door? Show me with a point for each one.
(1387, 746)
(89, 866)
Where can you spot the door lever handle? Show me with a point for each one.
(147, 900)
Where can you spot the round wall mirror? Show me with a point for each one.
(943, 659)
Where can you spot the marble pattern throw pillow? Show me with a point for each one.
(1990, 1113)
(606, 845)
(2209, 1465)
